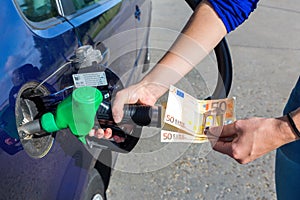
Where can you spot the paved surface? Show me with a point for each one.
(266, 58)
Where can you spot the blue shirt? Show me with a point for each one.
(233, 12)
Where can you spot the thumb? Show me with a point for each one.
(118, 105)
(224, 131)
(124, 96)
(224, 138)
(213, 131)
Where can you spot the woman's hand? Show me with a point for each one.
(142, 93)
(107, 134)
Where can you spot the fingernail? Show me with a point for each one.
(107, 133)
(92, 133)
(206, 130)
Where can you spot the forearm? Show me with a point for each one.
(201, 34)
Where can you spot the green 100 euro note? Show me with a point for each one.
(186, 117)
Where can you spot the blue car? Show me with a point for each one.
(42, 42)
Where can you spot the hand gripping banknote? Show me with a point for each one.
(186, 117)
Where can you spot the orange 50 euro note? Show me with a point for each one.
(186, 117)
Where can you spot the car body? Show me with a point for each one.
(38, 37)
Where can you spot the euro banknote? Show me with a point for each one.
(186, 117)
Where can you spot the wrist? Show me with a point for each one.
(294, 119)
(286, 130)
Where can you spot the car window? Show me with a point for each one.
(69, 7)
(79, 4)
(38, 10)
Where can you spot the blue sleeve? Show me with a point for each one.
(233, 12)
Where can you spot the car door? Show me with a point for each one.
(108, 25)
(40, 37)
(36, 41)
(142, 11)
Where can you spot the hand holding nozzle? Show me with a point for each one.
(134, 114)
(77, 112)
(141, 115)
(132, 105)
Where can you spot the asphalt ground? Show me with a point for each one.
(266, 57)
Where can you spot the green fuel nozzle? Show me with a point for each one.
(77, 112)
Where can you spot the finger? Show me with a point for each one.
(92, 133)
(229, 130)
(223, 147)
(99, 133)
(215, 138)
(227, 139)
(118, 139)
(226, 131)
(108, 133)
(222, 138)
(213, 131)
